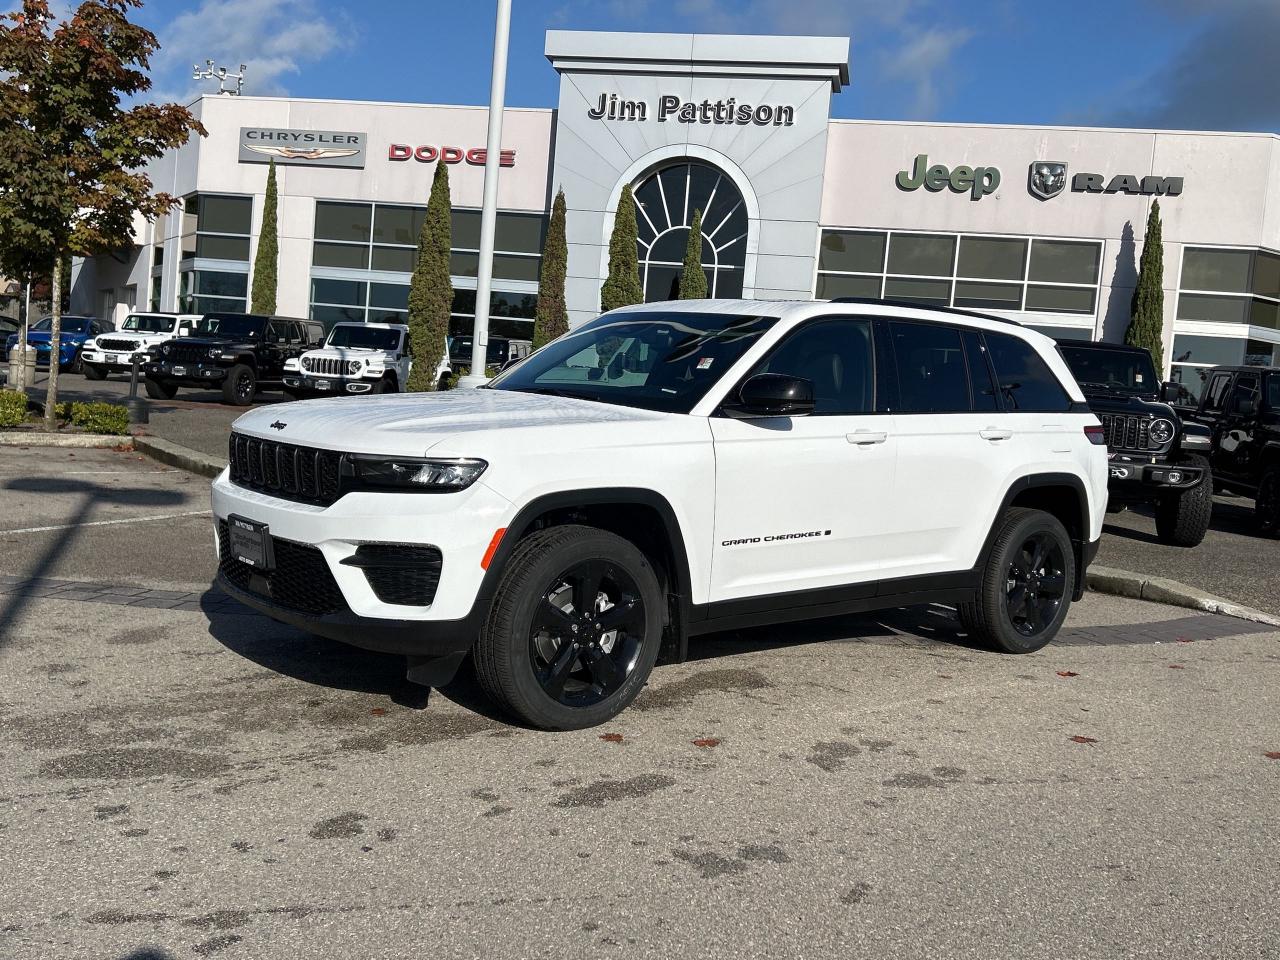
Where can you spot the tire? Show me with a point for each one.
(442, 384)
(75, 366)
(1266, 505)
(94, 373)
(382, 386)
(160, 389)
(239, 386)
(1182, 519)
(292, 394)
(1021, 607)
(537, 675)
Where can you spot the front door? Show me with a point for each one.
(1239, 448)
(799, 500)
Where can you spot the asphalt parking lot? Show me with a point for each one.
(184, 778)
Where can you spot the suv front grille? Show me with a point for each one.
(184, 354)
(301, 580)
(327, 366)
(283, 470)
(1125, 432)
(117, 346)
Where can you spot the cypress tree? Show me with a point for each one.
(1146, 323)
(553, 317)
(693, 282)
(431, 289)
(263, 299)
(622, 286)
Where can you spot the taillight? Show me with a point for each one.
(1097, 436)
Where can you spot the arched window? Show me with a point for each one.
(665, 203)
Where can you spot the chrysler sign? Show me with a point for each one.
(304, 148)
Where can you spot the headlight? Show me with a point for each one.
(91, 344)
(411, 474)
(214, 353)
(164, 351)
(1159, 432)
(353, 367)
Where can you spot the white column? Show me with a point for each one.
(489, 208)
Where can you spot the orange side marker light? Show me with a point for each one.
(493, 548)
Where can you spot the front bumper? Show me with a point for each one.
(326, 386)
(188, 373)
(461, 525)
(1131, 475)
(113, 362)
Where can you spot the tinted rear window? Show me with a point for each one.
(1026, 382)
(932, 377)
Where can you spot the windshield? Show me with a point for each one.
(69, 325)
(361, 337)
(657, 361)
(460, 347)
(1120, 370)
(142, 323)
(232, 325)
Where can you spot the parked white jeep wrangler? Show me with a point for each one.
(358, 358)
(669, 470)
(141, 332)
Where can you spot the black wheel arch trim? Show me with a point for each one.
(1080, 544)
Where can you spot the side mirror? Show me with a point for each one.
(773, 395)
(1170, 391)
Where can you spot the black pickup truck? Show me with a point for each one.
(240, 352)
(1155, 456)
(1240, 406)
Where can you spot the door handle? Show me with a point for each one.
(865, 438)
(995, 433)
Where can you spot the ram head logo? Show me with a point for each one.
(1047, 178)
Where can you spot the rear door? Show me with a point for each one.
(1240, 446)
(800, 500)
(1213, 413)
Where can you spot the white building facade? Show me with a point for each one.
(1042, 224)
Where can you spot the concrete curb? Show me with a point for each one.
(176, 455)
(1138, 586)
(80, 441)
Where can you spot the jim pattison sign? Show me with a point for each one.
(611, 107)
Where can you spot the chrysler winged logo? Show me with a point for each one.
(278, 425)
(1047, 178)
(300, 153)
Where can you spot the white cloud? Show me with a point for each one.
(275, 40)
(923, 62)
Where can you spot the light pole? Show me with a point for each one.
(489, 207)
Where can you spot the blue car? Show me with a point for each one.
(75, 331)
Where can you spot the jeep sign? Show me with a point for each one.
(977, 181)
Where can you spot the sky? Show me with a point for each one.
(1189, 64)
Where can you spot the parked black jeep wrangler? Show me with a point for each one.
(241, 352)
(1155, 457)
(1241, 408)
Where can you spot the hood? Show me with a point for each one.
(212, 340)
(409, 425)
(1120, 403)
(45, 336)
(347, 353)
(135, 335)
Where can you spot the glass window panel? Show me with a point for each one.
(225, 214)
(398, 224)
(461, 326)
(1266, 274)
(190, 218)
(930, 292)
(187, 246)
(350, 292)
(1216, 351)
(464, 264)
(992, 258)
(1064, 261)
(466, 229)
(932, 372)
(673, 188)
(519, 305)
(395, 259)
(831, 286)
(393, 296)
(853, 252)
(989, 296)
(388, 316)
(661, 283)
(221, 284)
(670, 247)
(982, 388)
(159, 258)
(507, 267)
(1192, 306)
(346, 255)
(464, 301)
(1260, 353)
(512, 328)
(1226, 270)
(918, 253)
(222, 248)
(1061, 299)
(1063, 333)
(702, 180)
(1263, 313)
(728, 284)
(213, 305)
(1026, 381)
(1192, 381)
(836, 357)
(519, 232)
(331, 315)
(343, 221)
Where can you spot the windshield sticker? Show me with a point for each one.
(704, 363)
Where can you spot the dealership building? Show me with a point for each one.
(1041, 224)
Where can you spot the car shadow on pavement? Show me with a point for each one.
(1232, 515)
(91, 496)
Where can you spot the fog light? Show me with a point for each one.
(1175, 476)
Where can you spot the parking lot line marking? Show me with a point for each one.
(107, 523)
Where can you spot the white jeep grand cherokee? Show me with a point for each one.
(670, 470)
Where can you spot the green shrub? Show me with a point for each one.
(13, 408)
(100, 418)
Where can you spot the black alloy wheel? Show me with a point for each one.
(586, 633)
(1037, 583)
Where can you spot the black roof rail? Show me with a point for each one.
(875, 301)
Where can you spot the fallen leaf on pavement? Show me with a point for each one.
(944, 676)
(379, 711)
(1067, 673)
(1079, 739)
(706, 742)
(1176, 666)
(611, 737)
(1183, 640)
(1272, 754)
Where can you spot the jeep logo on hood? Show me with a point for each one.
(279, 425)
